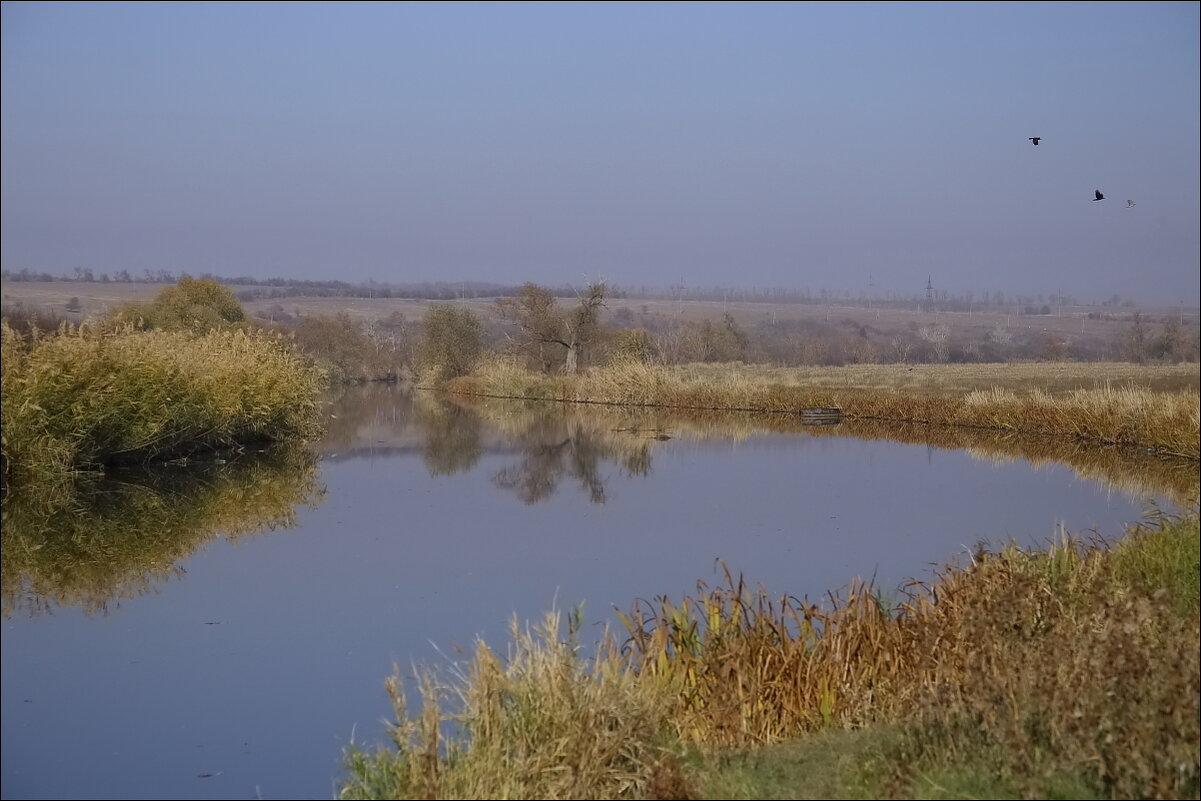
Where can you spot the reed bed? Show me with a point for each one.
(91, 396)
(1168, 422)
(1079, 663)
(545, 722)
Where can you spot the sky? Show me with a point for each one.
(851, 147)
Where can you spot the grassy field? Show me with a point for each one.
(1071, 672)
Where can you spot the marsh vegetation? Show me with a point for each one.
(697, 696)
(1032, 673)
(151, 382)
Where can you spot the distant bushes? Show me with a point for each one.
(95, 395)
(352, 351)
(191, 304)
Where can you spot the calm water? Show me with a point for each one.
(238, 636)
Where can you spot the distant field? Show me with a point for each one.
(93, 297)
(1071, 321)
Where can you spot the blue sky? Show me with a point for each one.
(804, 145)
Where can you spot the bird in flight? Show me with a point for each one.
(1129, 204)
(1034, 139)
(1099, 195)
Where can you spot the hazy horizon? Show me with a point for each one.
(853, 147)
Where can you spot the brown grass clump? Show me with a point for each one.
(1080, 660)
(546, 722)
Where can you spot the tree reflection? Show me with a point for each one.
(359, 416)
(453, 435)
(556, 448)
(95, 545)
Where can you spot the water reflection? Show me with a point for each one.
(425, 537)
(1130, 470)
(556, 443)
(547, 443)
(121, 537)
(452, 436)
(559, 446)
(108, 540)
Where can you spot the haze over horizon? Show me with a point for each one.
(835, 146)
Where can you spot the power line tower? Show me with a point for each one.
(929, 294)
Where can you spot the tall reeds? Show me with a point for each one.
(88, 396)
(1073, 666)
(1080, 659)
(545, 722)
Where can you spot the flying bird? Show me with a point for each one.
(1129, 204)
(1034, 139)
(1099, 195)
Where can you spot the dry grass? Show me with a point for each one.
(86, 397)
(1080, 659)
(545, 722)
(1167, 421)
(1080, 662)
(1051, 377)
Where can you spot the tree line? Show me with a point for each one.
(931, 299)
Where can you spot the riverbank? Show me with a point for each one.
(1123, 405)
(1071, 671)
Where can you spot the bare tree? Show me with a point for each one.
(899, 350)
(542, 323)
(939, 337)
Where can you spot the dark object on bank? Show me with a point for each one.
(821, 415)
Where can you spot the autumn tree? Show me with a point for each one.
(451, 340)
(544, 327)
